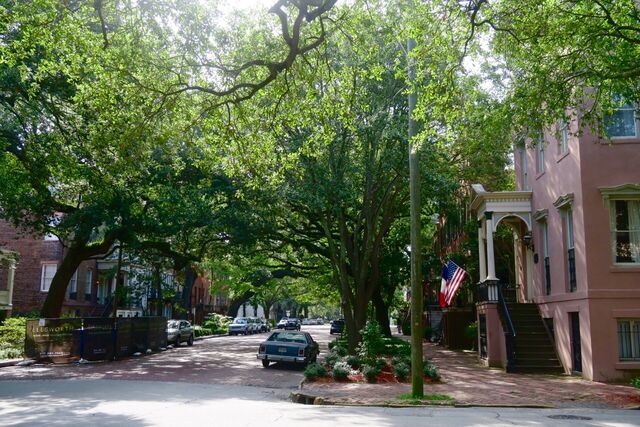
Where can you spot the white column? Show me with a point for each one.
(491, 263)
(10, 278)
(482, 253)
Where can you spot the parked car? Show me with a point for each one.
(264, 326)
(240, 325)
(337, 326)
(254, 324)
(282, 323)
(180, 331)
(288, 346)
(292, 324)
(308, 321)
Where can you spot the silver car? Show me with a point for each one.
(240, 325)
(180, 331)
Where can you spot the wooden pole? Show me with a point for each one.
(417, 381)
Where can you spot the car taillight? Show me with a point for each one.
(301, 352)
(263, 349)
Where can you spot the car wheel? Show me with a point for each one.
(190, 341)
(265, 363)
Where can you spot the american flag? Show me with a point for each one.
(452, 276)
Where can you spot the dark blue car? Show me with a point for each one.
(288, 346)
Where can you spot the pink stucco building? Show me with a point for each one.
(576, 222)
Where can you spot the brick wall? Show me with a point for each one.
(34, 252)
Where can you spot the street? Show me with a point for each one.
(219, 381)
(147, 403)
(218, 360)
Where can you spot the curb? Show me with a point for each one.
(308, 399)
(206, 337)
(10, 362)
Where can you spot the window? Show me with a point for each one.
(625, 230)
(88, 285)
(571, 256)
(545, 252)
(48, 271)
(540, 154)
(621, 123)
(563, 138)
(629, 339)
(73, 286)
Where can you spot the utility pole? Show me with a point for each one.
(417, 381)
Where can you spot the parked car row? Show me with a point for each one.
(316, 321)
(248, 325)
(289, 323)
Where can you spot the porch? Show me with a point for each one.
(511, 332)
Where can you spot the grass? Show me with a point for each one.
(409, 398)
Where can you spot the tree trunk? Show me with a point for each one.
(381, 311)
(189, 280)
(235, 303)
(77, 253)
(52, 306)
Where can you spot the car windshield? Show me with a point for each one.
(173, 324)
(288, 337)
(239, 320)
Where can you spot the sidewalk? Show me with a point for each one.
(470, 384)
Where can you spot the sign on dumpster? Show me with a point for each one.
(53, 340)
(97, 338)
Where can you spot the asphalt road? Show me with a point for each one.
(220, 382)
(81, 402)
(218, 360)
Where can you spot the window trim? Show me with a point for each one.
(636, 121)
(634, 325)
(563, 137)
(623, 192)
(42, 275)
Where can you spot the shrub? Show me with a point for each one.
(396, 347)
(217, 323)
(404, 360)
(471, 331)
(339, 346)
(370, 373)
(201, 332)
(341, 370)
(372, 344)
(354, 362)
(331, 358)
(12, 336)
(401, 371)
(636, 382)
(430, 371)
(314, 370)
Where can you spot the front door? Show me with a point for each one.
(576, 346)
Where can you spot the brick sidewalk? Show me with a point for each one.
(468, 383)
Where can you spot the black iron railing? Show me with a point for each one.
(509, 329)
(571, 256)
(482, 292)
(547, 276)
